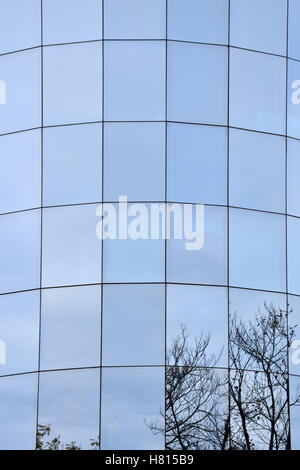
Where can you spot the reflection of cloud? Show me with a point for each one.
(20, 251)
(129, 397)
(133, 325)
(72, 252)
(21, 71)
(18, 396)
(70, 327)
(19, 327)
(69, 402)
(201, 309)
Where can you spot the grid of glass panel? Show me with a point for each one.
(186, 101)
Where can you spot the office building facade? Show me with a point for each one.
(140, 343)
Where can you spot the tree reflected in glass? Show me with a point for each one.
(56, 443)
(245, 409)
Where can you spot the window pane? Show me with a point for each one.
(21, 25)
(293, 158)
(71, 250)
(140, 94)
(251, 315)
(138, 257)
(134, 161)
(18, 397)
(256, 398)
(257, 250)
(293, 255)
(71, 20)
(70, 331)
(132, 399)
(21, 74)
(294, 312)
(257, 171)
(206, 265)
(293, 124)
(197, 164)
(20, 177)
(295, 413)
(197, 83)
(259, 25)
(20, 251)
(72, 164)
(133, 261)
(72, 83)
(135, 19)
(197, 312)
(257, 91)
(294, 33)
(133, 325)
(19, 329)
(69, 406)
(196, 408)
(198, 21)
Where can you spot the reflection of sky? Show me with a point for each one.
(133, 260)
(208, 265)
(72, 80)
(19, 329)
(71, 20)
(134, 162)
(257, 91)
(197, 164)
(257, 162)
(70, 330)
(135, 19)
(252, 26)
(202, 310)
(197, 83)
(71, 249)
(20, 177)
(69, 402)
(129, 397)
(257, 250)
(294, 37)
(246, 304)
(25, 16)
(20, 251)
(18, 396)
(133, 325)
(140, 95)
(72, 164)
(198, 21)
(22, 74)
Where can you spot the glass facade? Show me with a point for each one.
(141, 343)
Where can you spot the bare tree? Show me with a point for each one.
(260, 400)
(197, 414)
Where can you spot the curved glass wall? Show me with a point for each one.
(142, 344)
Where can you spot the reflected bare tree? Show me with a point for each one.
(197, 415)
(260, 400)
